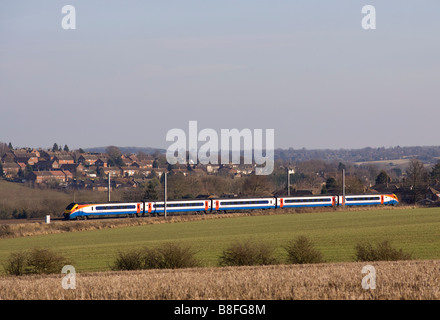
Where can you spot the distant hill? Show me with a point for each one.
(429, 154)
(128, 150)
(426, 154)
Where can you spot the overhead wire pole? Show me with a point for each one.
(165, 194)
(343, 188)
(109, 187)
(288, 181)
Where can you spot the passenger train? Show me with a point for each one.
(153, 208)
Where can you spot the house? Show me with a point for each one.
(59, 175)
(42, 176)
(68, 174)
(75, 168)
(133, 157)
(144, 164)
(114, 171)
(64, 159)
(49, 155)
(100, 186)
(127, 161)
(8, 157)
(101, 162)
(129, 171)
(36, 152)
(10, 169)
(46, 165)
(25, 157)
(87, 159)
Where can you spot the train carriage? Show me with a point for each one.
(243, 204)
(312, 201)
(203, 205)
(85, 210)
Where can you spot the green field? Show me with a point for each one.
(335, 233)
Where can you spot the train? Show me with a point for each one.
(221, 205)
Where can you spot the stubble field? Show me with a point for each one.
(92, 246)
(412, 280)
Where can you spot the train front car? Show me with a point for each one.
(71, 211)
(371, 200)
(390, 199)
(85, 210)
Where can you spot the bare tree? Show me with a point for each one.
(417, 179)
(3, 148)
(255, 185)
(113, 152)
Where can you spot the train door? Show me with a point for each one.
(217, 204)
(281, 202)
(381, 199)
(337, 200)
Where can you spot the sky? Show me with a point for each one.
(133, 70)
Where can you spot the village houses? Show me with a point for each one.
(90, 170)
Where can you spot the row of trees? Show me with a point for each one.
(55, 148)
(318, 177)
(8, 147)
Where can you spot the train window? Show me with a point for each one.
(115, 207)
(247, 202)
(363, 199)
(307, 200)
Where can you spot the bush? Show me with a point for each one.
(5, 231)
(173, 256)
(45, 261)
(168, 256)
(301, 251)
(382, 252)
(16, 263)
(36, 261)
(131, 260)
(247, 253)
(152, 259)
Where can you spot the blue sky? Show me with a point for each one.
(132, 70)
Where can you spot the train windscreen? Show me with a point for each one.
(70, 206)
